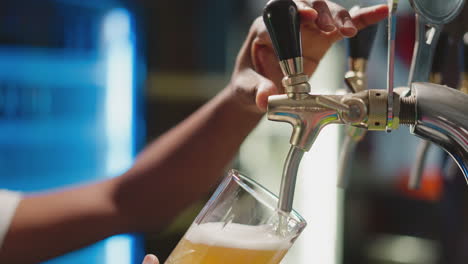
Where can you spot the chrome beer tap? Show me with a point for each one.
(440, 117)
(282, 20)
(431, 18)
(435, 113)
(436, 77)
(309, 113)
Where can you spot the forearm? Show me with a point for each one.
(52, 224)
(185, 163)
(178, 168)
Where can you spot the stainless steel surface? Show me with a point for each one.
(308, 114)
(417, 171)
(331, 103)
(296, 84)
(356, 78)
(295, 80)
(292, 66)
(431, 16)
(288, 181)
(346, 154)
(436, 11)
(378, 103)
(426, 41)
(355, 81)
(358, 110)
(392, 27)
(442, 119)
(305, 115)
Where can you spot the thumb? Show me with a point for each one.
(150, 259)
(265, 88)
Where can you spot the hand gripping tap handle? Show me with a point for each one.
(283, 22)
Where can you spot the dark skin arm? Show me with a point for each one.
(184, 164)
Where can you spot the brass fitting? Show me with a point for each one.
(356, 79)
(464, 83)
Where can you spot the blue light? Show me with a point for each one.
(119, 57)
(119, 91)
(67, 113)
(118, 249)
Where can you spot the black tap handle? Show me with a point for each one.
(464, 49)
(282, 20)
(360, 46)
(441, 53)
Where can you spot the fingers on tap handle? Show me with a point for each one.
(282, 20)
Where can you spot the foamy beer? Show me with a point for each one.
(240, 224)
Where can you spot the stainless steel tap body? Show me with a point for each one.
(437, 114)
(309, 114)
(305, 115)
(442, 118)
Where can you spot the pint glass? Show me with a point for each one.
(240, 224)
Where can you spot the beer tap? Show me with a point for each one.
(309, 113)
(360, 48)
(282, 20)
(457, 32)
(440, 111)
(431, 18)
(436, 77)
(435, 113)
(440, 117)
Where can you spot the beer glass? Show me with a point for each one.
(240, 224)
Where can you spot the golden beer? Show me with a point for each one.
(216, 243)
(240, 224)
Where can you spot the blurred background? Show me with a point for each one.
(84, 85)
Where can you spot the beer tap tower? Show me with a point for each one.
(433, 112)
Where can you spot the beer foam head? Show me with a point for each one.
(237, 236)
